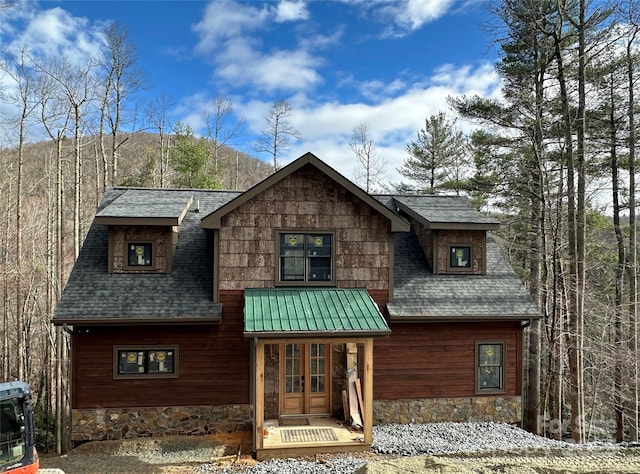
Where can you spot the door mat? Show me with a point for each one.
(308, 435)
(293, 422)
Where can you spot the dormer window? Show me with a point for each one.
(140, 254)
(305, 258)
(460, 257)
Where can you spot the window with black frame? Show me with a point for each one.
(146, 361)
(490, 366)
(306, 257)
(140, 254)
(460, 256)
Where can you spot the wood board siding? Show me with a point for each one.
(421, 360)
(214, 364)
(306, 200)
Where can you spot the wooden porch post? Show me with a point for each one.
(259, 397)
(367, 411)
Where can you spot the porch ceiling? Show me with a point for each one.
(302, 312)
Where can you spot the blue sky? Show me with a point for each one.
(386, 63)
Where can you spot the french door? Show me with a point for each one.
(305, 379)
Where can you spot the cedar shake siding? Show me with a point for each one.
(306, 200)
(162, 238)
(475, 239)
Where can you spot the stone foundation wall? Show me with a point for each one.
(123, 423)
(498, 409)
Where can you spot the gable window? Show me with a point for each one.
(140, 254)
(460, 256)
(145, 361)
(305, 257)
(490, 366)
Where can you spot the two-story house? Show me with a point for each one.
(278, 308)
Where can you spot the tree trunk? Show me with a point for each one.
(632, 263)
(6, 351)
(618, 395)
(20, 340)
(76, 183)
(578, 423)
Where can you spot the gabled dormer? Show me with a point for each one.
(305, 225)
(143, 229)
(452, 234)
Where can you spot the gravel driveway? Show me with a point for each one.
(430, 448)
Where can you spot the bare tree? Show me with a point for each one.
(20, 70)
(278, 132)
(77, 84)
(371, 166)
(220, 130)
(121, 81)
(6, 256)
(158, 118)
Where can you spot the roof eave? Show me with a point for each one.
(316, 334)
(464, 225)
(212, 221)
(460, 226)
(151, 221)
(462, 319)
(136, 321)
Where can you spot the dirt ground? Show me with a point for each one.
(544, 461)
(181, 455)
(167, 455)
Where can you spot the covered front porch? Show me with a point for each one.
(312, 369)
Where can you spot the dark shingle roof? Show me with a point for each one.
(93, 295)
(420, 295)
(141, 203)
(440, 211)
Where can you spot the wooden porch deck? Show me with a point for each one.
(309, 435)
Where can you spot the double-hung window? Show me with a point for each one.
(305, 257)
(490, 362)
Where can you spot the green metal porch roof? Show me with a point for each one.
(290, 312)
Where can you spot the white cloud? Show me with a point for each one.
(287, 70)
(418, 12)
(223, 21)
(406, 16)
(48, 36)
(287, 10)
(378, 90)
(311, 42)
(55, 33)
(284, 71)
(229, 38)
(393, 122)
